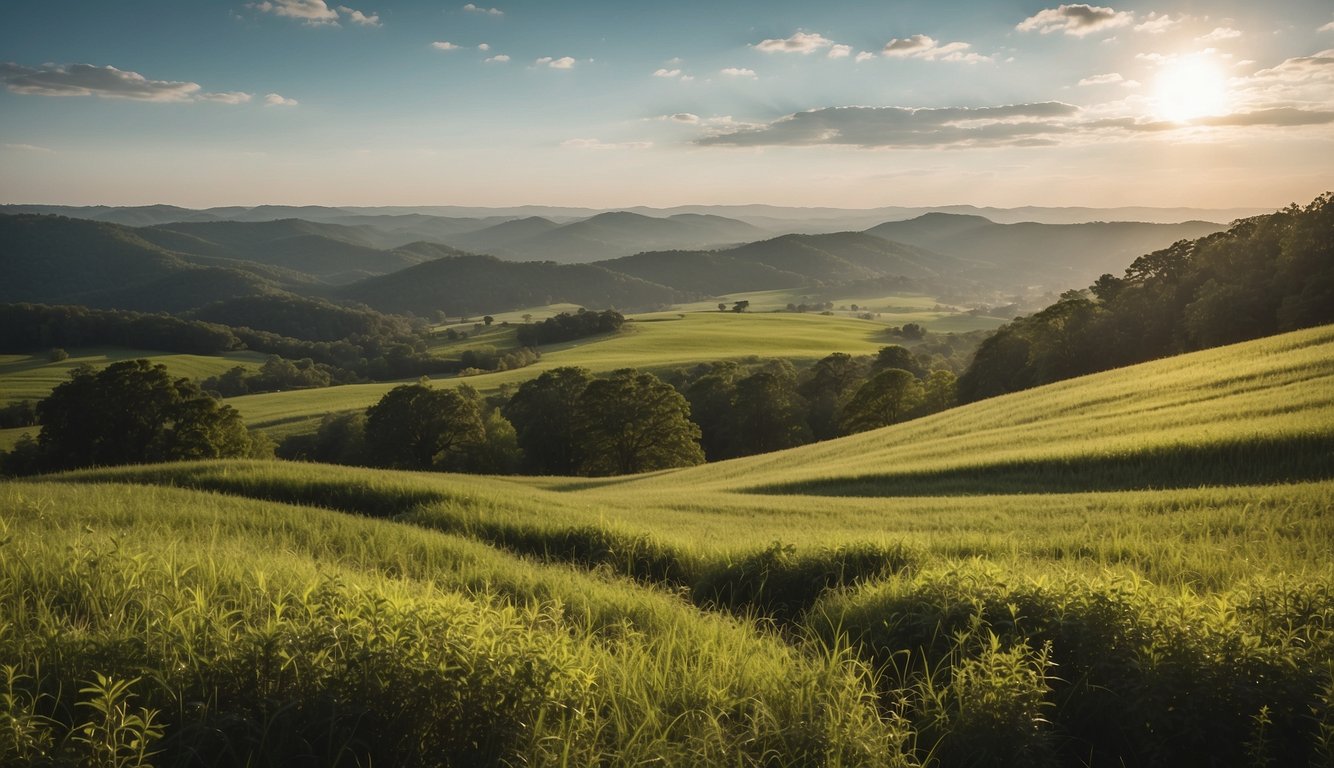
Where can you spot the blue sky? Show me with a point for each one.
(607, 104)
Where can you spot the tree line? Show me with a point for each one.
(1264, 275)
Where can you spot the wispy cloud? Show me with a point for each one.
(924, 47)
(602, 145)
(864, 56)
(278, 100)
(309, 11)
(1157, 23)
(359, 18)
(1219, 34)
(1110, 77)
(106, 82)
(800, 42)
(738, 72)
(667, 73)
(840, 51)
(564, 62)
(445, 45)
(1077, 20)
(471, 8)
(1327, 28)
(500, 58)
(28, 148)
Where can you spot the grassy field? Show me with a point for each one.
(1135, 567)
(892, 308)
(32, 377)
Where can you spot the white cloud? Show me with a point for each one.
(840, 51)
(90, 80)
(1077, 20)
(471, 8)
(1111, 77)
(484, 47)
(1220, 34)
(924, 47)
(1158, 23)
(801, 42)
(445, 45)
(359, 18)
(564, 62)
(229, 97)
(28, 148)
(278, 100)
(1327, 28)
(864, 56)
(598, 144)
(667, 73)
(738, 72)
(500, 58)
(684, 117)
(309, 11)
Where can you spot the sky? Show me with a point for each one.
(609, 104)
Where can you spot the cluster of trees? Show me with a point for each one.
(131, 412)
(1264, 275)
(275, 375)
(568, 326)
(488, 358)
(563, 422)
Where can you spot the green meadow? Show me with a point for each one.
(1130, 568)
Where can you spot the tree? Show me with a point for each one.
(885, 399)
(827, 387)
(939, 391)
(722, 306)
(741, 306)
(134, 412)
(634, 422)
(488, 319)
(895, 356)
(542, 412)
(767, 414)
(417, 427)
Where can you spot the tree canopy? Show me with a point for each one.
(635, 422)
(418, 427)
(134, 412)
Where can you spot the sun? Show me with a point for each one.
(1190, 87)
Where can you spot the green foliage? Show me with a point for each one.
(543, 412)
(133, 412)
(1263, 276)
(886, 398)
(419, 427)
(569, 326)
(633, 422)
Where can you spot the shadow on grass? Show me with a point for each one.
(1301, 458)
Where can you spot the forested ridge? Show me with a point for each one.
(1264, 275)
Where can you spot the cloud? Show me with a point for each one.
(28, 148)
(230, 97)
(445, 45)
(1158, 23)
(840, 51)
(684, 117)
(278, 100)
(738, 72)
(1281, 116)
(359, 18)
(309, 11)
(1077, 20)
(878, 127)
(1327, 28)
(1304, 81)
(484, 47)
(664, 72)
(598, 144)
(471, 8)
(923, 47)
(500, 58)
(1220, 34)
(90, 80)
(800, 42)
(864, 56)
(564, 62)
(1111, 77)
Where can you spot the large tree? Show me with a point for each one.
(887, 398)
(134, 412)
(417, 427)
(635, 422)
(543, 414)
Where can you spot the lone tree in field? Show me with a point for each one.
(635, 422)
(887, 398)
(543, 412)
(134, 412)
(417, 427)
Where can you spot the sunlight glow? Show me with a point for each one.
(1190, 87)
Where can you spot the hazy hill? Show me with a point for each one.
(788, 261)
(610, 235)
(393, 230)
(1056, 256)
(497, 238)
(462, 285)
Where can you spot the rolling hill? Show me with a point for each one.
(1055, 256)
(1123, 568)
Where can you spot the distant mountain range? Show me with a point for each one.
(638, 261)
